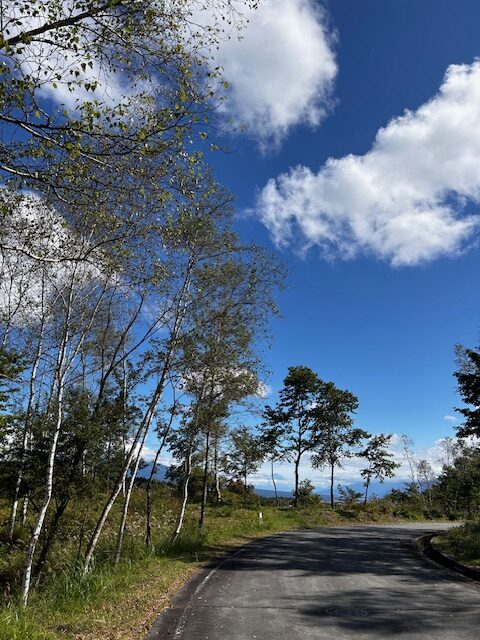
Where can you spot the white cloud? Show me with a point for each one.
(434, 454)
(264, 390)
(452, 419)
(281, 69)
(278, 60)
(403, 201)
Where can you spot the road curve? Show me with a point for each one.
(362, 582)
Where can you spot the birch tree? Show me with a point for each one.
(92, 88)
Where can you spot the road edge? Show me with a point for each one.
(428, 550)
(168, 623)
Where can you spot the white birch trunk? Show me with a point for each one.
(23, 513)
(144, 425)
(183, 508)
(217, 476)
(27, 572)
(65, 360)
(139, 436)
(26, 432)
(126, 503)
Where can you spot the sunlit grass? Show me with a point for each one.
(121, 603)
(463, 543)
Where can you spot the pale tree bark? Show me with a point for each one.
(188, 465)
(27, 572)
(139, 437)
(218, 492)
(186, 480)
(166, 431)
(26, 430)
(126, 502)
(142, 431)
(59, 377)
(206, 464)
(131, 484)
(274, 483)
(332, 474)
(203, 507)
(66, 356)
(245, 486)
(24, 511)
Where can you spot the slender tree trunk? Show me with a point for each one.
(126, 502)
(148, 535)
(274, 484)
(245, 490)
(218, 493)
(186, 480)
(26, 430)
(367, 484)
(188, 466)
(48, 488)
(52, 531)
(24, 511)
(60, 510)
(206, 466)
(203, 507)
(139, 436)
(332, 471)
(297, 464)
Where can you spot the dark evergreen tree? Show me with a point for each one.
(335, 434)
(293, 416)
(468, 378)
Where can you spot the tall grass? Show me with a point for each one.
(463, 542)
(68, 604)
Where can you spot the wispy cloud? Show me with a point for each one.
(452, 419)
(405, 200)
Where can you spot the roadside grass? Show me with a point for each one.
(121, 603)
(462, 543)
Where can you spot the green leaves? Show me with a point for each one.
(468, 379)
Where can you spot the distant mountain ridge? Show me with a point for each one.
(160, 472)
(376, 488)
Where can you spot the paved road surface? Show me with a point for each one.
(301, 585)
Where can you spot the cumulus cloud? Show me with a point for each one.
(281, 69)
(406, 200)
(441, 451)
(278, 59)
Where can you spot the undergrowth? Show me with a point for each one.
(120, 603)
(462, 542)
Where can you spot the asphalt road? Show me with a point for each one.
(326, 584)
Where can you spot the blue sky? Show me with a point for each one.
(378, 102)
(360, 169)
(378, 324)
